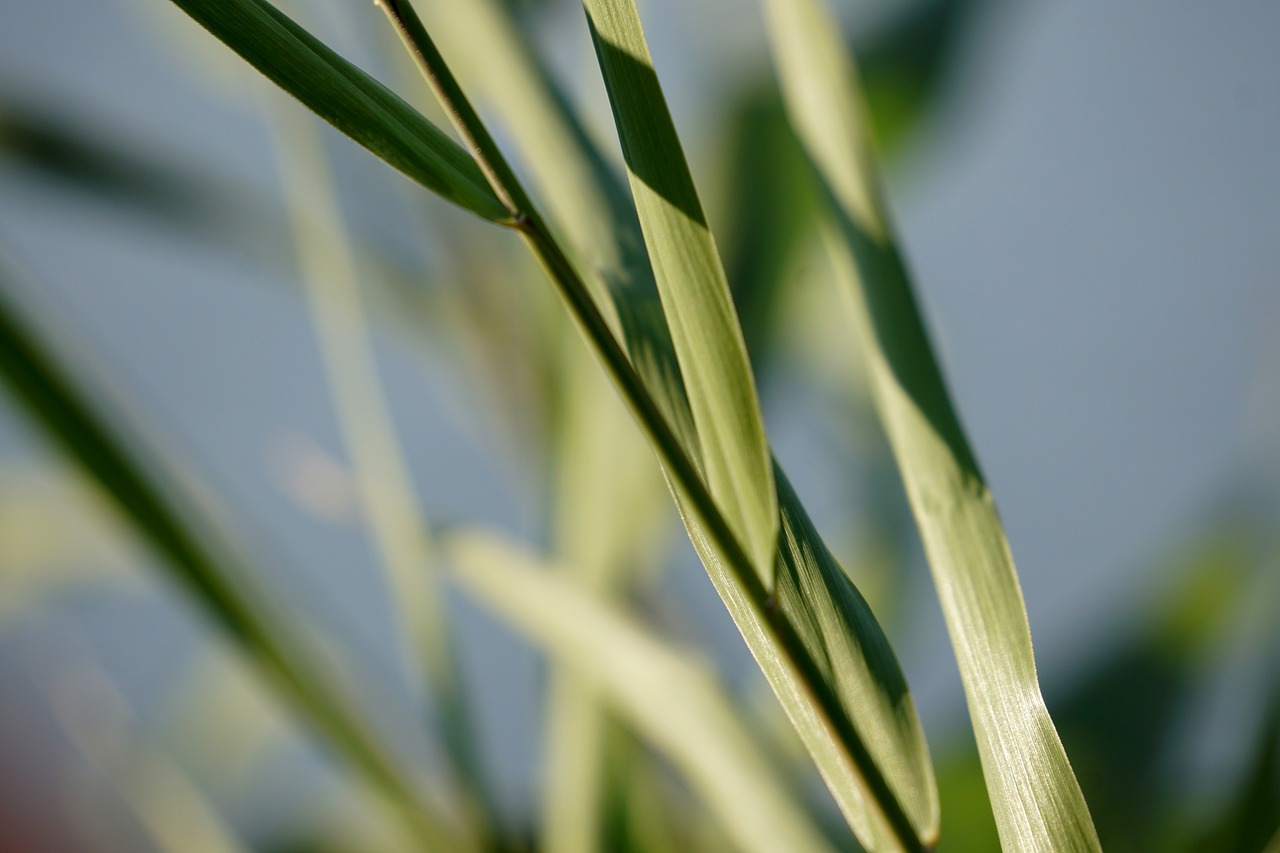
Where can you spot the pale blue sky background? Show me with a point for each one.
(1094, 222)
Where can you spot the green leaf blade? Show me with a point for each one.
(837, 678)
(349, 99)
(1035, 797)
(854, 718)
(692, 285)
(168, 512)
(586, 199)
(694, 723)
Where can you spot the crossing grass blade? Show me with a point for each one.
(692, 284)
(1034, 794)
(672, 702)
(838, 681)
(816, 641)
(814, 638)
(171, 809)
(169, 514)
(396, 522)
(347, 98)
(586, 201)
(608, 497)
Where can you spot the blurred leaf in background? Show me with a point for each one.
(629, 762)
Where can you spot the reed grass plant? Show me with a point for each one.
(650, 397)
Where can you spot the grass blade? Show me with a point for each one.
(817, 643)
(839, 682)
(347, 98)
(883, 787)
(55, 541)
(672, 702)
(691, 281)
(391, 508)
(1035, 796)
(171, 809)
(610, 513)
(586, 201)
(609, 502)
(165, 510)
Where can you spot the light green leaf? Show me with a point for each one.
(671, 701)
(691, 281)
(586, 200)
(610, 502)
(832, 668)
(1035, 797)
(347, 98)
(840, 684)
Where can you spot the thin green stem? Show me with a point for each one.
(680, 468)
(571, 288)
(464, 118)
(569, 285)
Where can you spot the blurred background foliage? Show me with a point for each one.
(126, 724)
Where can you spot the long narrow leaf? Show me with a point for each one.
(818, 645)
(608, 499)
(839, 682)
(170, 807)
(876, 764)
(392, 510)
(692, 284)
(175, 520)
(586, 200)
(1035, 797)
(672, 702)
(347, 98)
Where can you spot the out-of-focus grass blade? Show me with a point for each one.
(610, 513)
(219, 723)
(65, 146)
(54, 541)
(672, 702)
(169, 806)
(168, 512)
(392, 511)
(1035, 796)
(1124, 717)
(347, 98)
(692, 284)
(903, 65)
(767, 209)
(856, 720)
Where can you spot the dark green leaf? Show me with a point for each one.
(347, 98)
(1034, 794)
